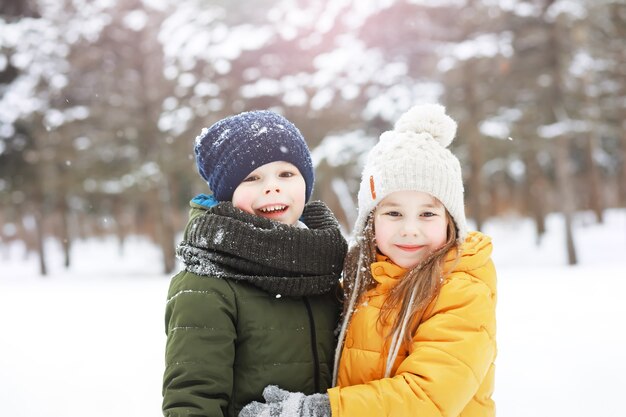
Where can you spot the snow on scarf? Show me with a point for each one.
(226, 242)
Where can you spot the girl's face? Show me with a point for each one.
(408, 226)
(276, 191)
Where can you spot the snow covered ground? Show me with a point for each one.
(90, 341)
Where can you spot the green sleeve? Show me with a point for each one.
(200, 323)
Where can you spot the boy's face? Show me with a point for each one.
(409, 226)
(275, 191)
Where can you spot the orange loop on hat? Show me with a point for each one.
(372, 188)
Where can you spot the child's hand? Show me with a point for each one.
(281, 403)
(273, 396)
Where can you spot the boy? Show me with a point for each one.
(256, 303)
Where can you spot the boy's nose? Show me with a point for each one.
(271, 185)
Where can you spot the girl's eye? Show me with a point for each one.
(428, 214)
(393, 214)
(287, 174)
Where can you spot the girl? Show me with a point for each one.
(418, 330)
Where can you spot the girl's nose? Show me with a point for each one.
(410, 229)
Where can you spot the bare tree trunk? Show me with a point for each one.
(476, 180)
(563, 177)
(475, 149)
(622, 177)
(151, 101)
(331, 188)
(121, 225)
(81, 225)
(556, 99)
(26, 234)
(345, 204)
(164, 227)
(38, 210)
(617, 17)
(169, 248)
(4, 240)
(595, 191)
(596, 199)
(330, 197)
(534, 191)
(39, 231)
(177, 220)
(65, 231)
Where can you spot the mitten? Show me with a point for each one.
(274, 398)
(316, 405)
(281, 403)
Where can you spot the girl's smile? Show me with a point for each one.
(410, 248)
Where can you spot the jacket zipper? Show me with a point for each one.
(316, 359)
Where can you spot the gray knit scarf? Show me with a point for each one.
(226, 242)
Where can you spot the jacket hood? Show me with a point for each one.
(198, 206)
(474, 254)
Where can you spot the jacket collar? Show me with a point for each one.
(386, 273)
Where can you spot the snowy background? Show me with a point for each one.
(99, 100)
(90, 341)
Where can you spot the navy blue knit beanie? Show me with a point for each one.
(235, 146)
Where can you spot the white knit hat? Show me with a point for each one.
(413, 156)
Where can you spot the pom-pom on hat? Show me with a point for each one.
(235, 146)
(414, 156)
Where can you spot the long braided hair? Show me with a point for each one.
(405, 303)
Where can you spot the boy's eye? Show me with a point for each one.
(251, 178)
(287, 174)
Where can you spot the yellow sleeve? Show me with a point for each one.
(450, 356)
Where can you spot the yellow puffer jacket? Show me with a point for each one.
(448, 370)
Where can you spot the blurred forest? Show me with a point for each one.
(100, 101)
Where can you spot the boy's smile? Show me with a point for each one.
(272, 211)
(275, 191)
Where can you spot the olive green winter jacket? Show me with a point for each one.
(231, 329)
